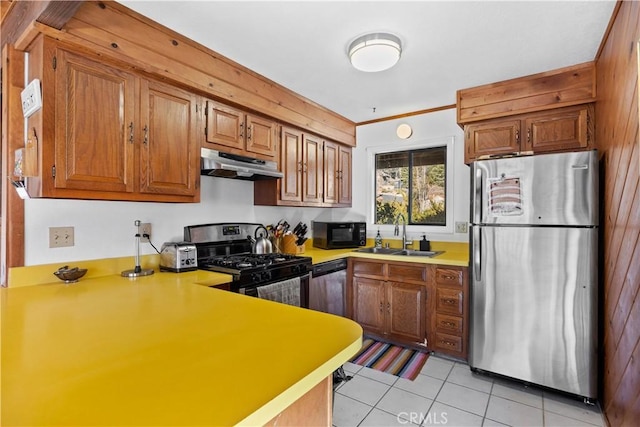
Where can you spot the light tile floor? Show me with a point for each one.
(447, 393)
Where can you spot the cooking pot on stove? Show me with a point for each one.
(261, 244)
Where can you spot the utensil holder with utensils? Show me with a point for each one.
(289, 245)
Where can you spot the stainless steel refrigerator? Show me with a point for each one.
(534, 285)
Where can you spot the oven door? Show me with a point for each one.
(292, 291)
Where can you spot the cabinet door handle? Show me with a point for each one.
(528, 134)
(381, 306)
(249, 132)
(300, 166)
(131, 133)
(146, 135)
(242, 130)
(388, 307)
(517, 137)
(449, 301)
(447, 323)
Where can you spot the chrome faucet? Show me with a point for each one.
(396, 231)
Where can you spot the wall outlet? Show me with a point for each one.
(461, 227)
(60, 237)
(145, 228)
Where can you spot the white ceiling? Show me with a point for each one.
(447, 45)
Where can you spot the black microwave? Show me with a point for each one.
(338, 235)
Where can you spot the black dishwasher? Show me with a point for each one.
(327, 288)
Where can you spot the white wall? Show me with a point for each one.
(104, 229)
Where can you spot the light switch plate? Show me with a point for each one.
(61, 236)
(31, 98)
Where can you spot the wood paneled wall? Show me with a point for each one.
(617, 139)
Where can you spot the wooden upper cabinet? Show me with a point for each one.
(540, 113)
(261, 135)
(316, 173)
(337, 174)
(562, 129)
(109, 134)
(496, 138)
(331, 169)
(345, 183)
(301, 163)
(94, 120)
(169, 154)
(291, 159)
(312, 172)
(225, 125)
(233, 130)
(568, 128)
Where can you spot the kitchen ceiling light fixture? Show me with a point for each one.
(375, 52)
(404, 131)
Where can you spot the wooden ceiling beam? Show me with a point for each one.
(20, 14)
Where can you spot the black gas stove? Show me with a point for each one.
(248, 268)
(226, 248)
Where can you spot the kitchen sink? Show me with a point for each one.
(409, 252)
(382, 251)
(395, 251)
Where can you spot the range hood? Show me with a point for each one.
(226, 165)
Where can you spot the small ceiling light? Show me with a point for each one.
(375, 52)
(404, 131)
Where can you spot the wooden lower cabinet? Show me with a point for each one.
(391, 309)
(406, 312)
(450, 321)
(369, 302)
(314, 408)
(408, 303)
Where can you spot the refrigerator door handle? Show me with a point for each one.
(477, 196)
(477, 255)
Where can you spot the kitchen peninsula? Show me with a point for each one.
(158, 350)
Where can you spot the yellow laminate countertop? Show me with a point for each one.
(158, 350)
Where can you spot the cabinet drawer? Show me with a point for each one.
(449, 324)
(364, 268)
(448, 342)
(449, 301)
(407, 272)
(448, 276)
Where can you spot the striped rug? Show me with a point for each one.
(389, 358)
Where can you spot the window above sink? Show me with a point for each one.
(414, 180)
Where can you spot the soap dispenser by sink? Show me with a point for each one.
(425, 245)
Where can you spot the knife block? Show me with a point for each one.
(289, 245)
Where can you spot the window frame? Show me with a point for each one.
(447, 142)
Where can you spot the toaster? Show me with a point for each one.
(178, 257)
